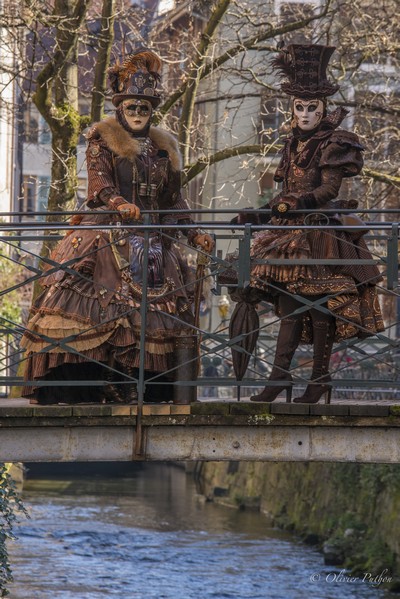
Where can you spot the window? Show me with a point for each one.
(31, 127)
(29, 190)
(44, 132)
(43, 195)
(35, 194)
(36, 130)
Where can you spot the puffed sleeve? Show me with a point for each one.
(102, 189)
(341, 156)
(343, 150)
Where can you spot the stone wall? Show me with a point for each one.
(351, 511)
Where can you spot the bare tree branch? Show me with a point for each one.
(250, 43)
(195, 74)
(192, 170)
(381, 176)
(195, 168)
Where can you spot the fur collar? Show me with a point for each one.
(121, 143)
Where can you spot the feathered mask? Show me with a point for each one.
(136, 77)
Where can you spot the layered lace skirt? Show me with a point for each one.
(350, 288)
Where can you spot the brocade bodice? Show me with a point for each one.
(301, 180)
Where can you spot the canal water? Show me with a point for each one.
(149, 535)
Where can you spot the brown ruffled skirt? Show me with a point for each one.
(351, 288)
(75, 323)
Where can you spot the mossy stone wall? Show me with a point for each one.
(352, 511)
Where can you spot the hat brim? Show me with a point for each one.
(118, 98)
(299, 91)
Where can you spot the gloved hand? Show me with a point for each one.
(281, 209)
(205, 241)
(282, 205)
(129, 211)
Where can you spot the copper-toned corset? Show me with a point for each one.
(302, 180)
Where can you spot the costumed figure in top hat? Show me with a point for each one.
(89, 315)
(316, 157)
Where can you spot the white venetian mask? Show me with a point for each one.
(308, 113)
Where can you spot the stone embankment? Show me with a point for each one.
(351, 511)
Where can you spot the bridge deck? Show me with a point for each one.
(207, 430)
(340, 407)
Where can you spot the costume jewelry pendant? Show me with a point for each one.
(300, 146)
(144, 145)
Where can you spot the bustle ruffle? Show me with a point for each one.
(351, 289)
(71, 325)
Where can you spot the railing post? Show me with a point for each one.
(142, 352)
(392, 268)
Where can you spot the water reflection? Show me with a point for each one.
(149, 536)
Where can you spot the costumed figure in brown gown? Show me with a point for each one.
(316, 157)
(86, 324)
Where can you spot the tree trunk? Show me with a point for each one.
(106, 38)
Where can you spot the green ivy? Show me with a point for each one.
(10, 505)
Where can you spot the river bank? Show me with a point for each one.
(351, 512)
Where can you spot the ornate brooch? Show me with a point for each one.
(76, 242)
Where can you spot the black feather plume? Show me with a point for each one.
(283, 64)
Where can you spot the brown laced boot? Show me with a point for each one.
(131, 394)
(288, 341)
(324, 332)
(112, 393)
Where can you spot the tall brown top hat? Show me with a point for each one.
(136, 77)
(305, 69)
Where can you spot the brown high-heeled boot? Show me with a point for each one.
(288, 341)
(271, 392)
(324, 333)
(316, 390)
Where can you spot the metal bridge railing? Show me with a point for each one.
(361, 369)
